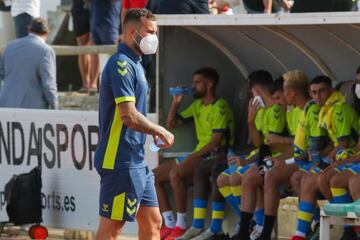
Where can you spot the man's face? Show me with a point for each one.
(199, 86)
(358, 78)
(147, 27)
(289, 95)
(320, 92)
(279, 98)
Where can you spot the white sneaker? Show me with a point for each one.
(204, 235)
(255, 234)
(236, 230)
(190, 233)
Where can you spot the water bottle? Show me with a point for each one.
(180, 91)
(154, 147)
(315, 156)
(231, 152)
(268, 164)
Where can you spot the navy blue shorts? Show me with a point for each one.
(123, 191)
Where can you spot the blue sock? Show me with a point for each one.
(259, 217)
(200, 206)
(230, 199)
(341, 195)
(217, 216)
(305, 215)
(317, 214)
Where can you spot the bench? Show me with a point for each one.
(338, 214)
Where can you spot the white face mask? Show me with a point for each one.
(148, 44)
(357, 90)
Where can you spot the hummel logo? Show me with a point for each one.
(105, 208)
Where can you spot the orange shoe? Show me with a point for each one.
(165, 232)
(295, 237)
(175, 233)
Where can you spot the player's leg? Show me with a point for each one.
(354, 186)
(149, 220)
(202, 188)
(108, 229)
(339, 185)
(218, 201)
(161, 174)
(162, 177)
(179, 178)
(278, 176)
(148, 215)
(324, 182)
(223, 184)
(251, 181)
(309, 191)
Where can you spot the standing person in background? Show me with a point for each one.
(183, 7)
(23, 12)
(81, 22)
(104, 25)
(30, 71)
(127, 190)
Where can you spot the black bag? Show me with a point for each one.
(3, 7)
(23, 198)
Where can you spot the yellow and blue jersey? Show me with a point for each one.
(123, 80)
(292, 119)
(271, 120)
(209, 119)
(339, 120)
(308, 135)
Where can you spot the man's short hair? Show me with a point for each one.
(261, 78)
(208, 73)
(358, 70)
(322, 79)
(39, 26)
(278, 85)
(135, 14)
(298, 81)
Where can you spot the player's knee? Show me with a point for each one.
(250, 179)
(309, 184)
(270, 179)
(295, 179)
(337, 181)
(222, 181)
(353, 181)
(108, 228)
(151, 228)
(322, 181)
(235, 180)
(175, 177)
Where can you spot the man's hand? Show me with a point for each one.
(273, 139)
(277, 161)
(177, 99)
(167, 139)
(253, 109)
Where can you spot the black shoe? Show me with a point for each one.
(221, 236)
(349, 234)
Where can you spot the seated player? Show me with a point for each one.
(210, 116)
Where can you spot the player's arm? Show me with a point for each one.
(276, 129)
(133, 119)
(342, 123)
(172, 120)
(254, 134)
